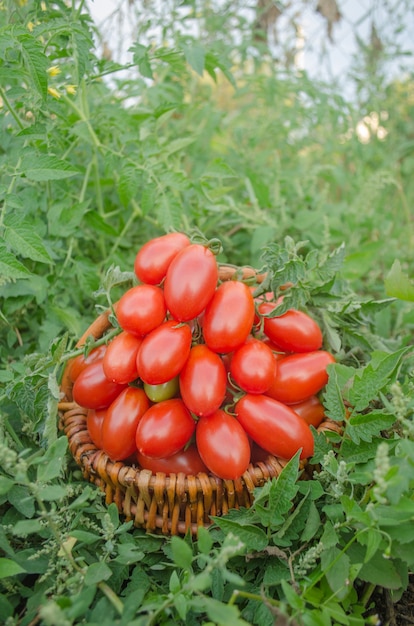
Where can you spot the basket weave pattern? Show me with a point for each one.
(171, 504)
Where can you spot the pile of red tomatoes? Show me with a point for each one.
(200, 378)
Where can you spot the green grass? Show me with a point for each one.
(261, 159)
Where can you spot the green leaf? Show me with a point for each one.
(43, 167)
(36, 62)
(253, 537)
(336, 565)
(332, 397)
(97, 572)
(218, 612)
(370, 380)
(176, 145)
(181, 553)
(24, 240)
(10, 267)
(195, 56)
(5, 485)
(398, 284)
(53, 461)
(9, 568)
(274, 500)
(381, 571)
(365, 426)
(204, 540)
(128, 184)
(141, 58)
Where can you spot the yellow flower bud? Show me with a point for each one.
(54, 70)
(53, 92)
(70, 89)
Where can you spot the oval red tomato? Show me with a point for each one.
(164, 429)
(94, 421)
(203, 381)
(229, 317)
(93, 390)
(223, 445)
(81, 362)
(141, 309)
(311, 410)
(121, 421)
(274, 426)
(299, 376)
(293, 331)
(163, 352)
(187, 461)
(155, 256)
(253, 367)
(190, 282)
(120, 360)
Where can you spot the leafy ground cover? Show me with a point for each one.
(198, 138)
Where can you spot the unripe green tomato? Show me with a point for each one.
(163, 391)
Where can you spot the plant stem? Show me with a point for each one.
(11, 109)
(112, 597)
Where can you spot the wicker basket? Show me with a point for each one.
(168, 504)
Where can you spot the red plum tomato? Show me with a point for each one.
(223, 445)
(164, 429)
(253, 367)
(274, 426)
(187, 461)
(141, 309)
(163, 352)
(203, 381)
(293, 331)
(229, 317)
(190, 282)
(299, 376)
(120, 360)
(311, 410)
(93, 390)
(163, 391)
(121, 421)
(94, 421)
(154, 257)
(81, 362)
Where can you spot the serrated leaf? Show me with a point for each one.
(128, 184)
(365, 426)
(10, 267)
(370, 380)
(398, 284)
(24, 240)
(141, 59)
(332, 264)
(253, 537)
(35, 61)
(274, 500)
(332, 397)
(43, 167)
